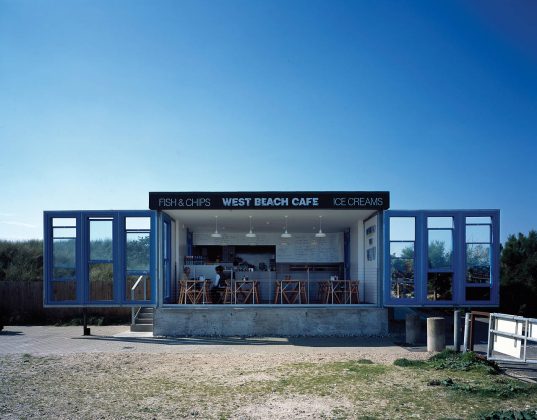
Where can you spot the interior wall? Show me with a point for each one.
(371, 259)
(302, 247)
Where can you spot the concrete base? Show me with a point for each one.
(275, 321)
(436, 334)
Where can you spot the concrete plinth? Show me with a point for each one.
(276, 321)
(412, 329)
(436, 334)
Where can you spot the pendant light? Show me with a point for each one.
(286, 234)
(251, 234)
(320, 234)
(215, 234)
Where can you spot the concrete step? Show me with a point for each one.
(144, 320)
(142, 327)
(147, 310)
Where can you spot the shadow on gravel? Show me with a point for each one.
(11, 333)
(350, 342)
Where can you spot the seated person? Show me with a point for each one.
(186, 273)
(219, 285)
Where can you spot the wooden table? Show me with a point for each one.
(290, 292)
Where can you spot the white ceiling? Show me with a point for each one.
(268, 220)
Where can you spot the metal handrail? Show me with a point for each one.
(136, 311)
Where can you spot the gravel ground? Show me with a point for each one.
(51, 372)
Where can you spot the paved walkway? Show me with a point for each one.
(49, 340)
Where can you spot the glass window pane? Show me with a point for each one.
(478, 293)
(402, 249)
(64, 232)
(440, 222)
(138, 223)
(64, 253)
(439, 286)
(101, 240)
(478, 263)
(478, 234)
(478, 220)
(63, 290)
(63, 273)
(138, 248)
(402, 229)
(63, 221)
(440, 249)
(402, 278)
(142, 291)
(101, 281)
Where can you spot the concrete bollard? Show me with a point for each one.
(412, 325)
(436, 334)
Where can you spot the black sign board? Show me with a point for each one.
(335, 200)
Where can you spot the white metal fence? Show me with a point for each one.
(512, 339)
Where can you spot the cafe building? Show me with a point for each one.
(273, 263)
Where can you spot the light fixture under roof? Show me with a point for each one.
(251, 234)
(286, 234)
(215, 234)
(320, 234)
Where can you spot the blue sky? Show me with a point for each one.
(104, 101)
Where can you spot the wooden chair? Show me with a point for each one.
(247, 291)
(290, 292)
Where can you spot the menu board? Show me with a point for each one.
(308, 248)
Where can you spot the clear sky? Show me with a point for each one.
(104, 101)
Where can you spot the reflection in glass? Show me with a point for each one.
(402, 277)
(138, 223)
(478, 293)
(63, 290)
(477, 233)
(402, 229)
(101, 281)
(440, 286)
(63, 272)
(64, 254)
(142, 290)
(479, 220)
(64, 232)
(138, 251)
(101, 240)
(64, 221)
(440, 249)
(440, 222)
(478, 263)
(402, 249)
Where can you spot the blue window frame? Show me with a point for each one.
(169, 290)
(441, 258)
(99, 258)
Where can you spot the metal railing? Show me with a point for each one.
(136, 311)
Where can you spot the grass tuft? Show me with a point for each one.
(451, 360)
(530, 414)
